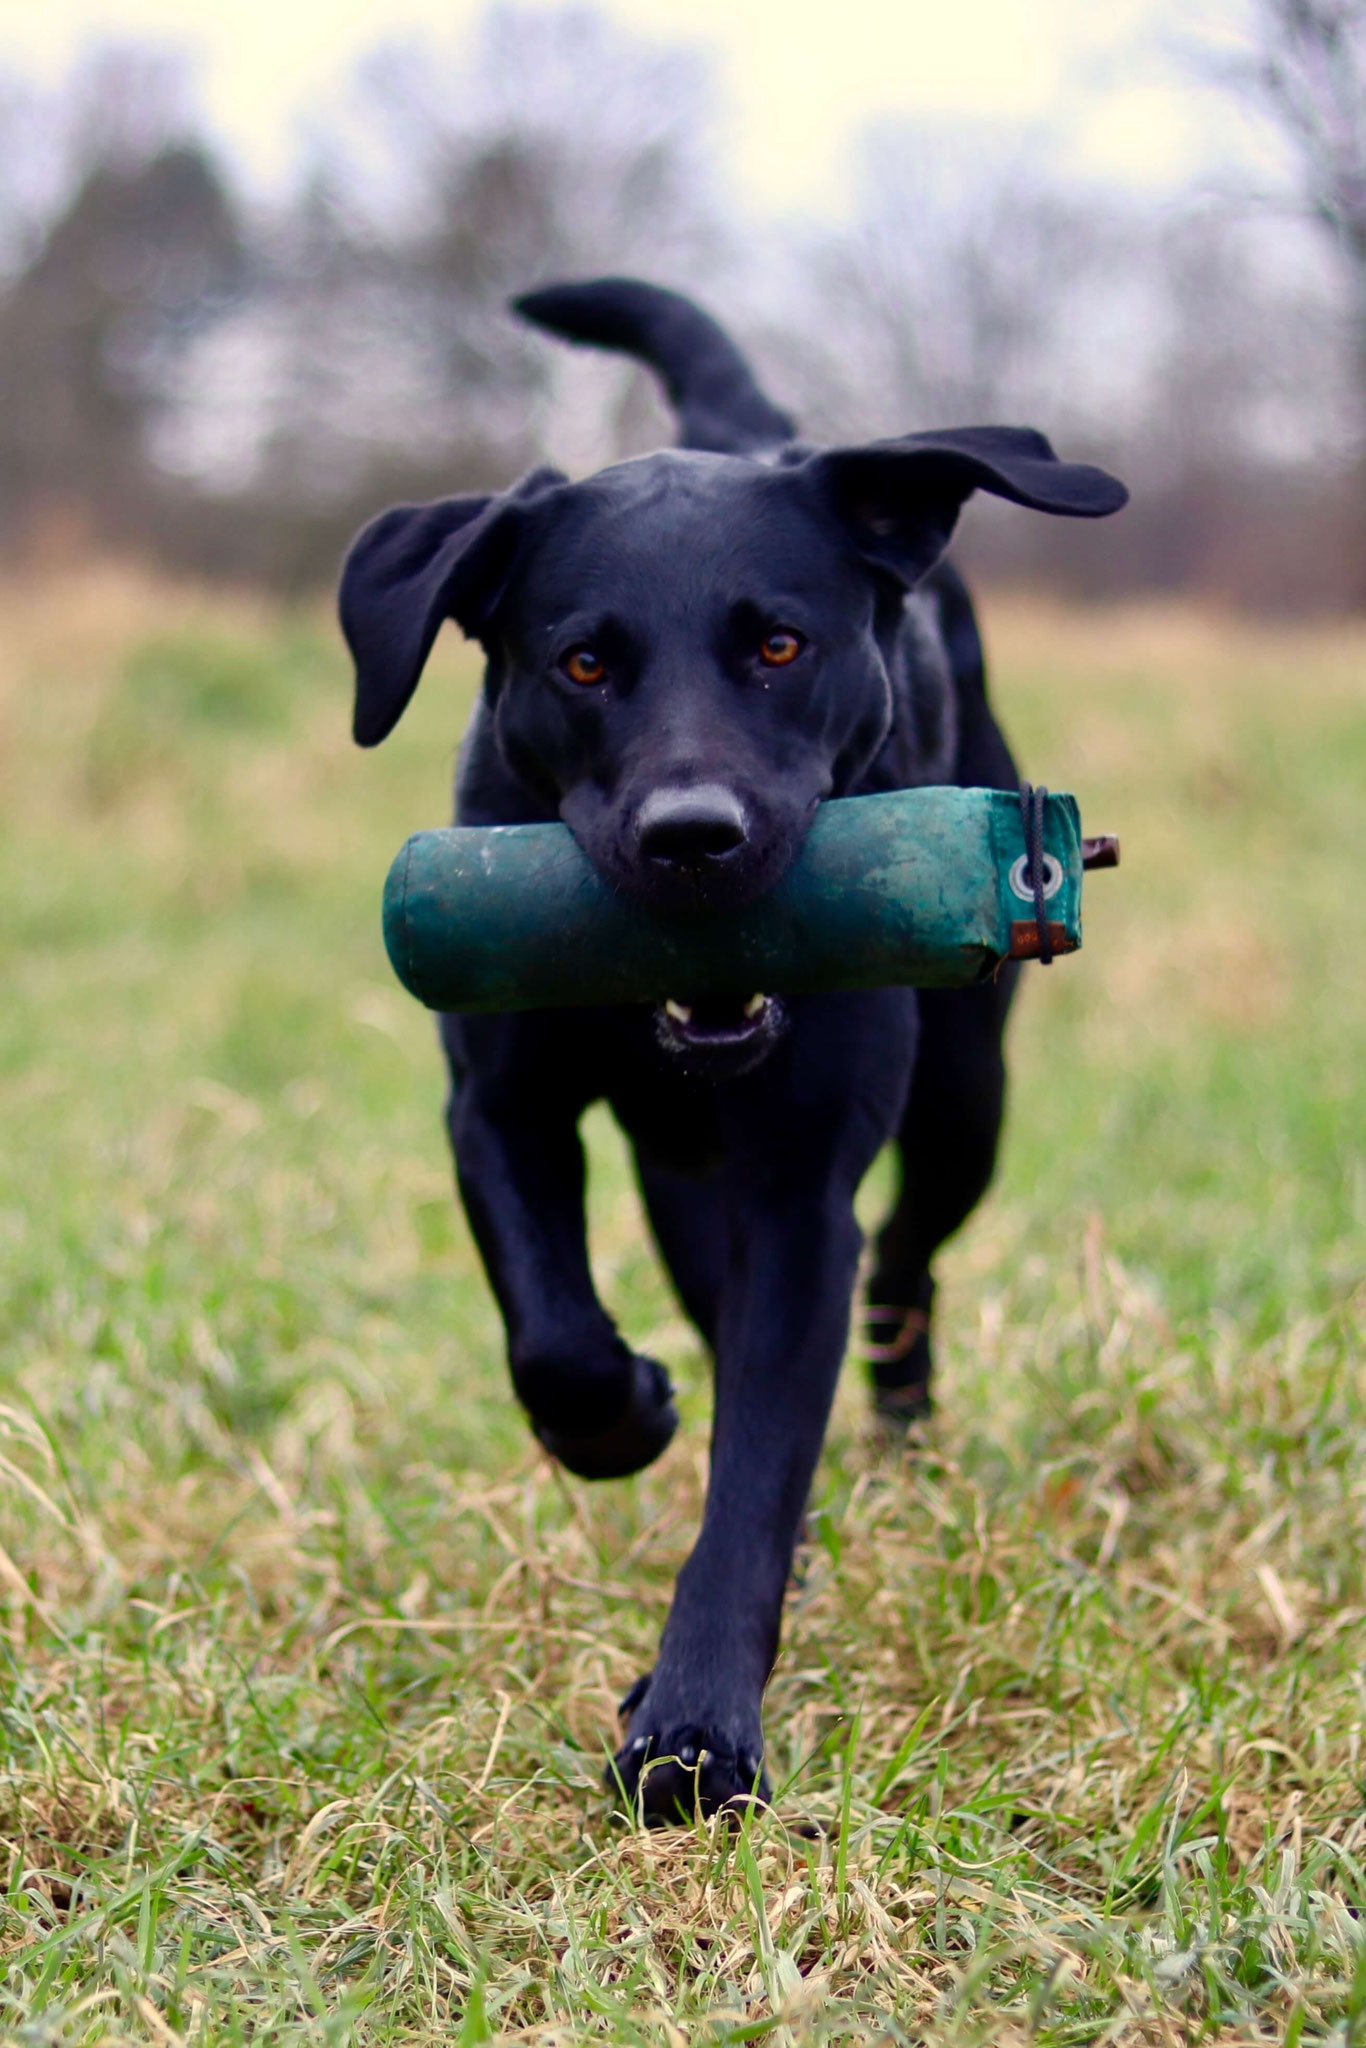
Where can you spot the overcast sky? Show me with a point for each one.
(800, 77)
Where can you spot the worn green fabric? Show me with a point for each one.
(910, 887)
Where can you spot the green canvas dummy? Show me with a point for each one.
(920, 887)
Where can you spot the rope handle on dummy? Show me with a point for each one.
(1037, 874)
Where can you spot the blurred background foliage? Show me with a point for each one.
(228, 384)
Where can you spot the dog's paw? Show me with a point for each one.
(669, 1779)
(897, 1408)
(633, 1441)
(896, 1346)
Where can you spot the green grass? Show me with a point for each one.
(310, 1661)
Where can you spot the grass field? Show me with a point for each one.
(310, 1660)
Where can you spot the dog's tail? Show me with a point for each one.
(710, 385)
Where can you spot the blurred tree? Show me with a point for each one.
(964, 272)
(383, 361)
(1308, 71)
(29, 152)
(1191, 347)
(1303, 66)
(975, 284)
(559, 145)
(135, 260)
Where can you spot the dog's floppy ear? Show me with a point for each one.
(901, 499)
(410, 569)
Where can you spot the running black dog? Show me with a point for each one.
(687, 653)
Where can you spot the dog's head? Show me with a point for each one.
(687, 652)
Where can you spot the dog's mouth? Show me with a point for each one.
(720, 1035)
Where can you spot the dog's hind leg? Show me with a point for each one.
(687, 1214)
(947, 1152)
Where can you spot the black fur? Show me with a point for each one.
(688, 762)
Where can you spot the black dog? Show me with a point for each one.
(688, 653)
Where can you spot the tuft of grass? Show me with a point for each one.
(310, 1661)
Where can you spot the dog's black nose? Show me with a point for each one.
(690, 827)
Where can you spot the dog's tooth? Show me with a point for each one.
(680, 1012)
(754, 1005)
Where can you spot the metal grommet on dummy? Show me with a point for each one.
(1022, 885)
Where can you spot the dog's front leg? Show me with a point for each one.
(800, 1154)
(597, 1407)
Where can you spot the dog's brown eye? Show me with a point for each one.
(778, 649)
(581, 665)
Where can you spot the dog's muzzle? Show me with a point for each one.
(691, 835)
